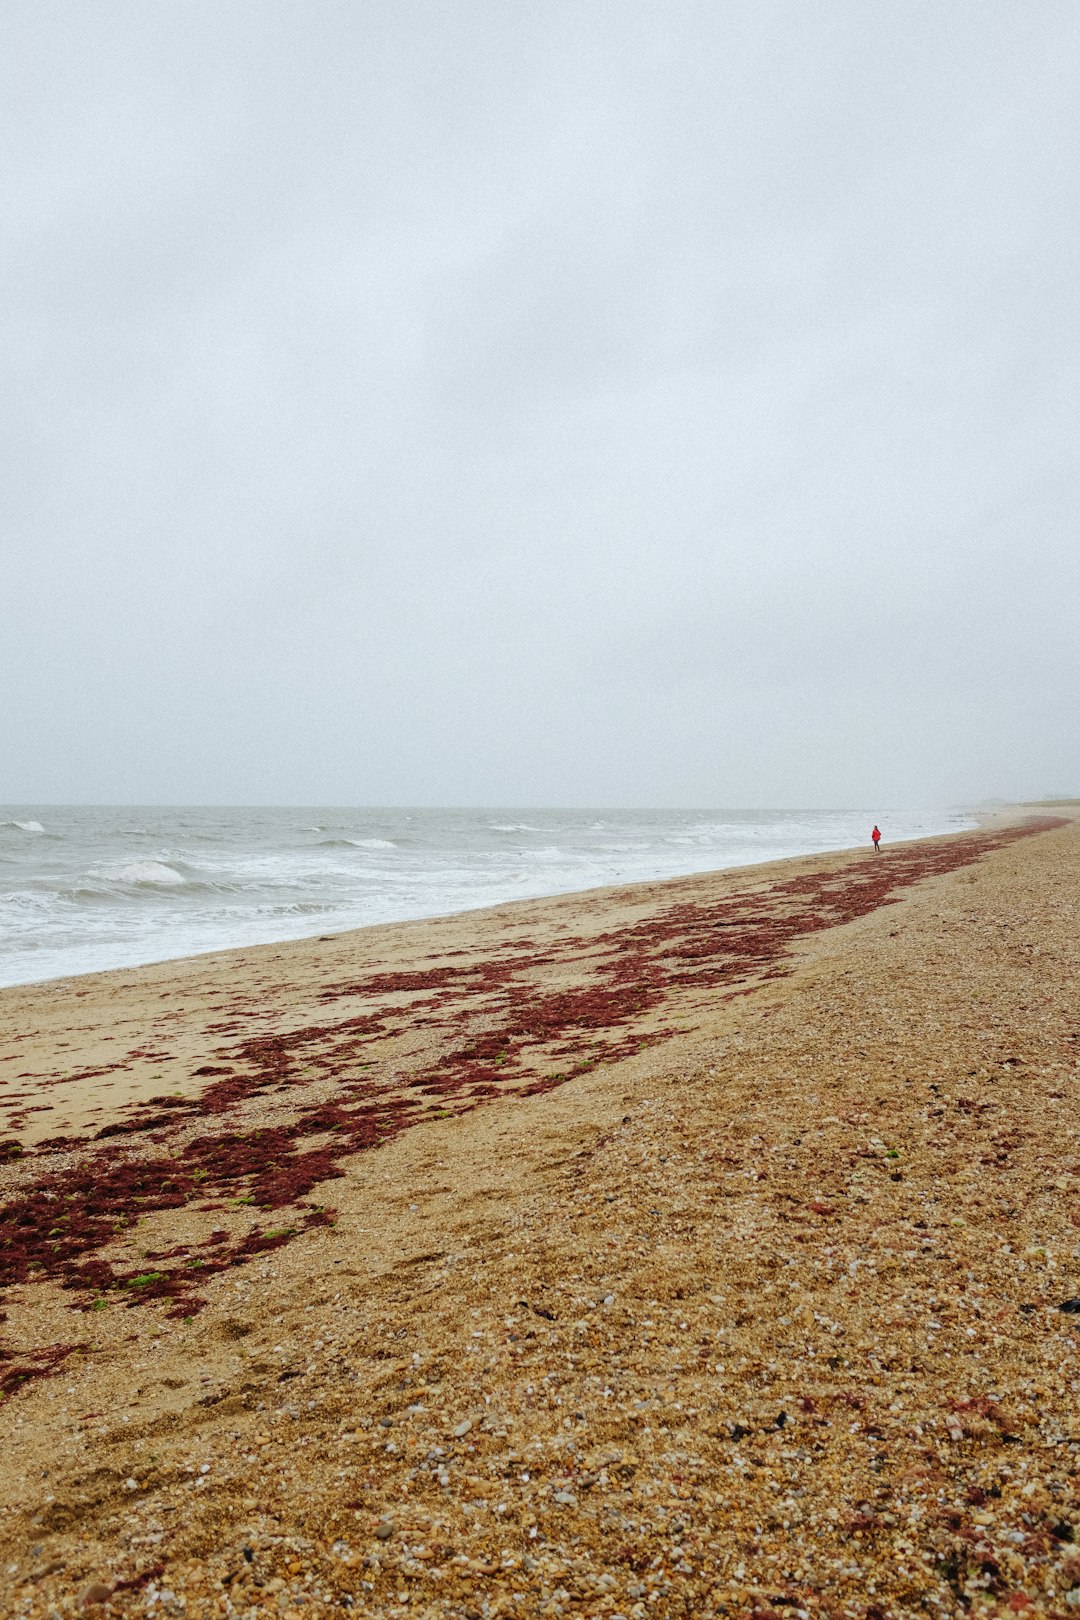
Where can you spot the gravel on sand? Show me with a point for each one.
(753, 1292)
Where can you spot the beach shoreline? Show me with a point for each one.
(278, 978)
(93, 889)
(406, 1137)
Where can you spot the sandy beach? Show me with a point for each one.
(701, 1247)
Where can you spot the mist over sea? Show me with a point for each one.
(83, 888)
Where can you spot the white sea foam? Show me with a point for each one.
(512, 826)
(24, 826)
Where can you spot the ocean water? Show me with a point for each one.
(84, 888)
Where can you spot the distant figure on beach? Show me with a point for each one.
(876, 836)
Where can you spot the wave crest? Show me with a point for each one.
(144, 872)
(356, 843)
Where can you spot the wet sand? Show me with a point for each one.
(686, 1248)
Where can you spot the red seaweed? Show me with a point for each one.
(15, 1374)
(524, 1040)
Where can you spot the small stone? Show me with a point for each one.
(462, 1428)
(386, 1423)
(1072, 1306)
(97, 1592)
(384, 1531)
(565, 1498)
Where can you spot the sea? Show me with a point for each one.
(86, 888)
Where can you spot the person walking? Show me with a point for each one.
(876, 836)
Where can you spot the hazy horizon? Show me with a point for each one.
(576, 809)
(574, 405)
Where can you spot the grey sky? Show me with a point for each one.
(539, 403)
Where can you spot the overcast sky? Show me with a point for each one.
(519, 403)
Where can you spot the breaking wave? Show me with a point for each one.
(144, 872)
(356, 843)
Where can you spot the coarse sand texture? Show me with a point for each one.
(700, 1247)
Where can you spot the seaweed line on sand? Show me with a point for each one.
(508, 1035)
